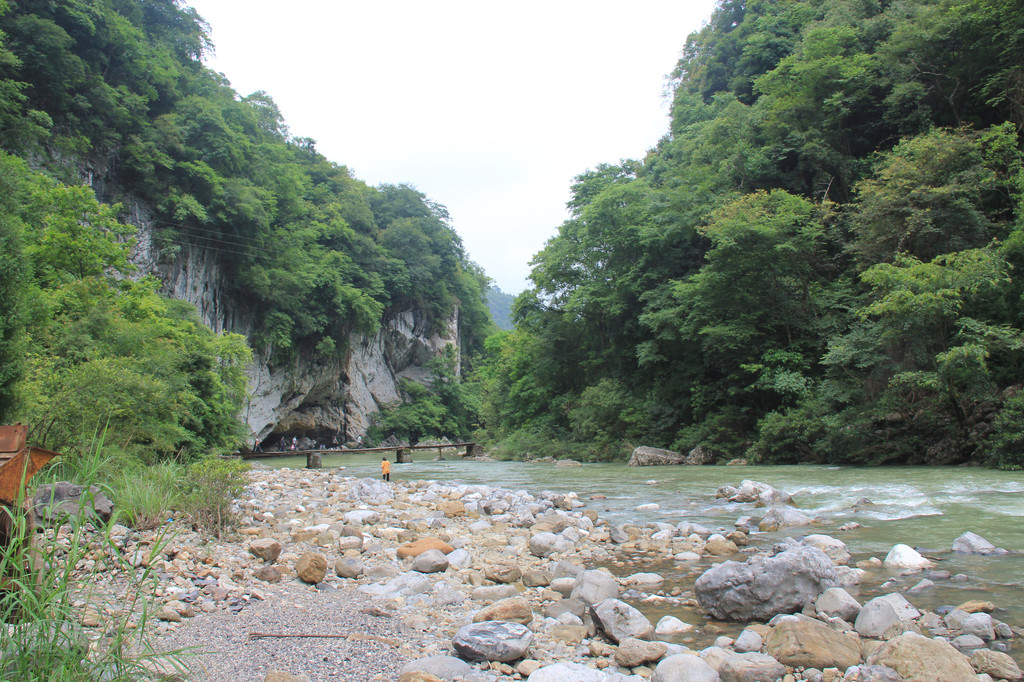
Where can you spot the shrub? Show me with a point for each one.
(212, 484)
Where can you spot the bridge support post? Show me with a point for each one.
(403, 456)
(314, 460)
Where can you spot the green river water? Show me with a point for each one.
(924, 507)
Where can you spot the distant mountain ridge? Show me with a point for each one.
(500, 305)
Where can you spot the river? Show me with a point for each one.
(924, 507)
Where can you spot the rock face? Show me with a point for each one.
(763, 587)
(645, 456)
(312, 392)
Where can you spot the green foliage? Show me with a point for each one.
(15, 275)
(1006, 444)
(110, 353)
(820, 262)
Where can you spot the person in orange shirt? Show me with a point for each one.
(385, 469)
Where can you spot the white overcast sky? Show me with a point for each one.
(487, 108)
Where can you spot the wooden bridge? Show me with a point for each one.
(402, 452)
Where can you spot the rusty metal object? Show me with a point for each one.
(18, 463)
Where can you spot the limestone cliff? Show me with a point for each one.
(311, 395)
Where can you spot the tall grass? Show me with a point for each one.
(42, 590)
(147, 497)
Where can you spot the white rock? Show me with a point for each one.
(670, 625)
(904, 556)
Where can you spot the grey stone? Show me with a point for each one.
(875, 618)
(431, 561)
(763, 587)
(348, 567)
(445, 667)
(971, 543)
(751, 667)
(645, 456)
(968, 642)
(779, 518)
(493, 592)
(594, 586)
(55, 501)
(361, 517)
(837, 603)
(459, 558)
(492, 640)
(871, 673)
(619, 620)
(980, 625)
(633, 652)
(684, 668)
(748, 640)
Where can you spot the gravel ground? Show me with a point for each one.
(225, 651)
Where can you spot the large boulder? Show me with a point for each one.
(431, 561)
(701, 454)
(763, 587)
(833, 548)
(55, 501)
(684, 668)
(513, 609)
(619, 620)
(371, 491)
(645, 456)
(972, 543)
(921, 659)
(442, 667)
(811, 644)
(633, 652)
(881, 613)
(905, 556)
(750, 667)
(997, 664)
(267, 549)
(778, 518)
(594, 586)
(835, 602)
(311, 568)
(492, 640)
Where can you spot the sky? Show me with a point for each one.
(488, 108)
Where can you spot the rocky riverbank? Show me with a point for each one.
(332, 577)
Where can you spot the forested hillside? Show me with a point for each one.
(822, 261)
(500, 305)
(114, 93)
